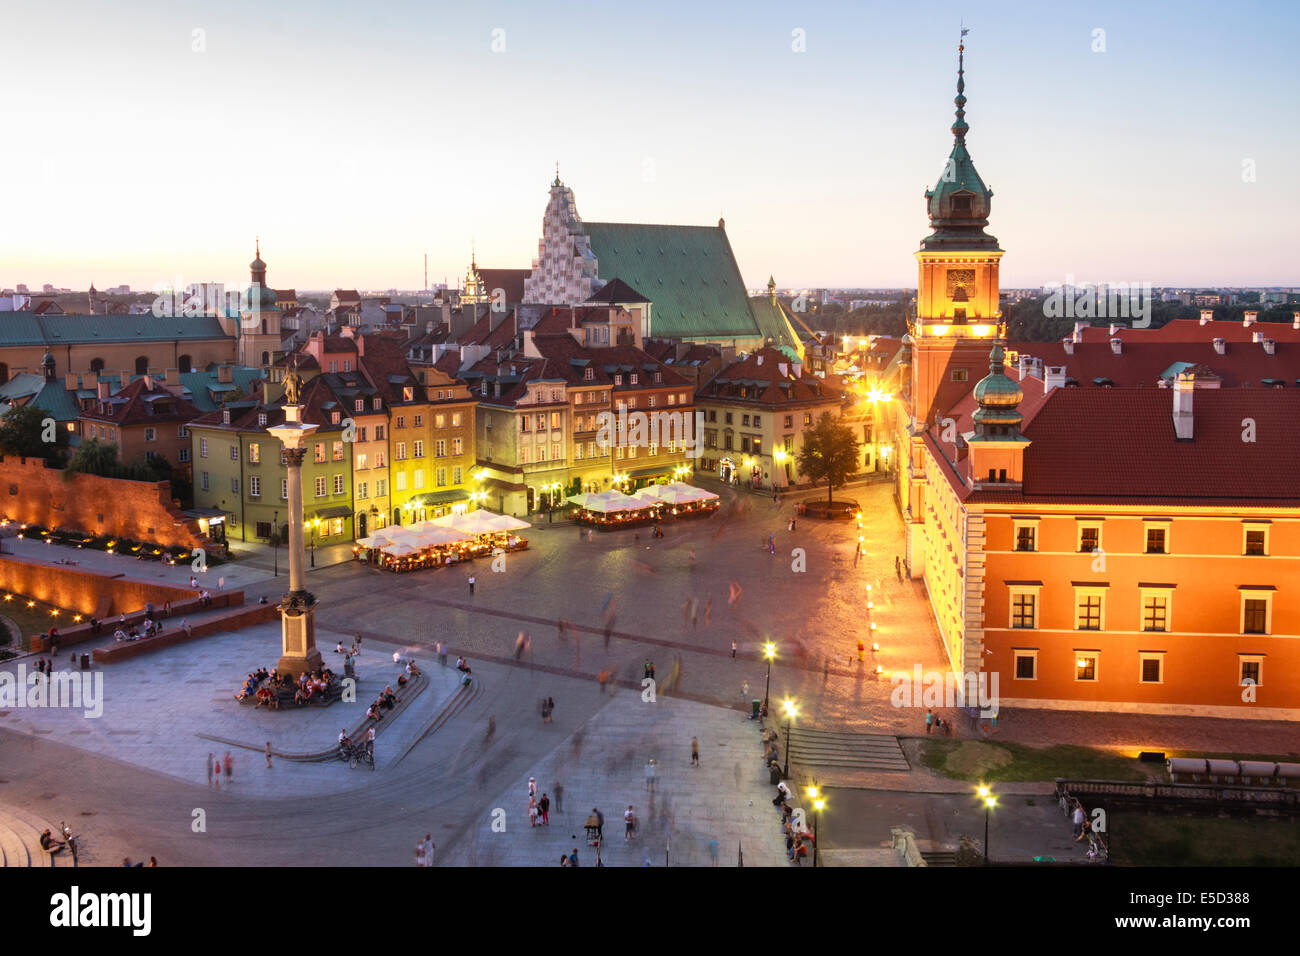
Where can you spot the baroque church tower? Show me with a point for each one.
(259, 318)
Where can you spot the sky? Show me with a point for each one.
(150, 141)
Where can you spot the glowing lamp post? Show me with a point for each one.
(819, 803)
(769, 651)
(990, 801)
(791, 710)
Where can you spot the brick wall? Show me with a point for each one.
(142, 510)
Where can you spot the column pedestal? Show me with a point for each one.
(298, 633)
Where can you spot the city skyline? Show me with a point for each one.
(1106, 168)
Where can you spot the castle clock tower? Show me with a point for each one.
(957, 311)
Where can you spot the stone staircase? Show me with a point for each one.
(841, 750)
(20, 840)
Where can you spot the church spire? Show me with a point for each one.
(960, 127)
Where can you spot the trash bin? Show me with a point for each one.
(85, 662)
(754, 706)
(774, 775)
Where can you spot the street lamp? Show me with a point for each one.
(790, 711)
(314, 523)
(818, 804)
(990, 802)
(769, 651)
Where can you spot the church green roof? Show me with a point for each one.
(688, 272)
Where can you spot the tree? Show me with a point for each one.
(28, 431)
(95, 457)
(829, 453)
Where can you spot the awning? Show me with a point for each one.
(440, 497)
(203, 513)
(334, 511)
(647, 472)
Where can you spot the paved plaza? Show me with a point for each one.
(135, 776)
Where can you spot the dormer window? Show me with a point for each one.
(961, 203)
(225, 416)
(376, 404)
(408, 394)
(335, 417)
(360, 404)
(633, 378)
(261, 419)
(588, 374)
(659, 377)
(618, 379)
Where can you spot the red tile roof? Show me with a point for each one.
(768, 376)
(143, 402)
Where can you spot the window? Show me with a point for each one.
(457, 446)
(555, 419)
(1024, 607)
(264, 529)
(456, 475)
(254, 486)
(439, 421)
(618, 379)
(261, 419)
(1251, 669)
(419, 421)
(203, 448)
(652, 401)
(1088, 604)
(362, 461)
(254, 453)
(399, 451)
(205, 482)
(379, 433)
(401, 421)
(789, 421)
(234, 453)
(400, 481)
(455, 419)
(1151, 667)
(588, 373)
(1026, 664)
(523, 456)
(1085, 665)
(672, 399)
(441, 477)
(234, 486)
(338, 451)
(284, 489)
(150, 434)
(1157, 537)
(523, 423)
(381, 488)
(335, 417)
(1089, 538)
(744, 420)
(1255, 539)
(959, 375)
(807, 418)
(541, 422)
(632, 379)
(361, 434)
(1155, 609)
(419, 478)
(419, 448)
(439, 448)
(376, 404)
(320, 452)
(1255, 608)
(320, 487)
(1026, 534)
(338, 484)
(659, 377)
(555, 453)
(183, 454)
(758, 421)
(334, 365)
(577, 451)
(408, 394)
(728, 418)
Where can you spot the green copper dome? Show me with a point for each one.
(996, 389)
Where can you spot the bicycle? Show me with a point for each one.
(353, 754)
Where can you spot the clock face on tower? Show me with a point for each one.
(963, 279)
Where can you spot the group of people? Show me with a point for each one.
(268, 686)
(385, 701)
(539, 808)
(936, 724)
(797, 837)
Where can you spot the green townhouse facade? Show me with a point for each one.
(239, 470)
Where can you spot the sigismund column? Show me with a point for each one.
(298, 607)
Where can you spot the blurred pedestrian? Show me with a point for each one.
(268, 755)
(695, 751)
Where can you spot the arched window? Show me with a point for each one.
(266, 358)
(142, 365)
(97, 365)
(185, 363)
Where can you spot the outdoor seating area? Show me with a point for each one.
(654, 504)
(441, 542)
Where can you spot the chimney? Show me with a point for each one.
(1270, 346)
(1184, 388)
(1114, 328)
(361, 346)
(1024, 365)
(428, 327)
(1207, 316)
(1257, 336)
(71, 381)
(172, 376)
(1248, 318)
(1078, 331)
(123, 378)
(1221, 346)
(1069, 346)
(104, 390)
(223, 374)
(1054, 377)
(1117, 344)
(1295, 321)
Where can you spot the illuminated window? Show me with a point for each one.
(1085, 665)
(1255, 540)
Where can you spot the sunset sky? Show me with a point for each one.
(354, 138)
